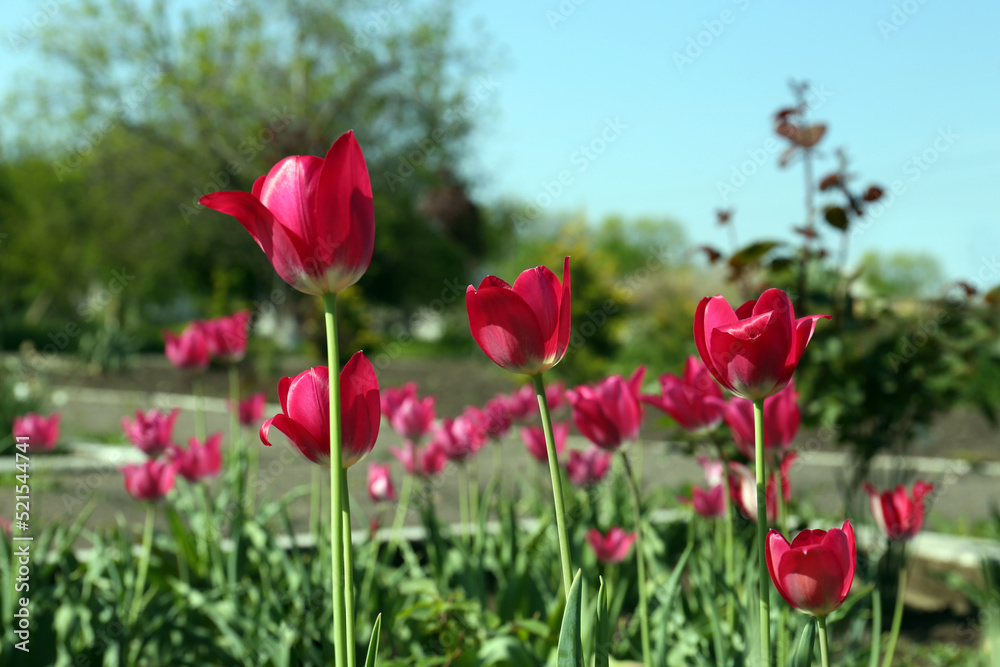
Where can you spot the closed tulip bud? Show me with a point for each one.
(42, 433)
(814, 573)
(613, 547)
(150, 481)
(898, 515)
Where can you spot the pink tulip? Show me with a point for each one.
(814, 573)
(713, 470)
(897, 515)
(421, 461)
(609, 414)
(393, 397)
(523, 403)
(782, 417)
(190, 349)
(710, 504)
(251, 409)
(686, 399)
(613, 547)
(380, 487)
(460, 437)
(497, 419)
(150, 481)
(413, 417)
(523, 328)
(313, 217)
(305, 412)
(588, 467)
(227, 336)
(199, 460)
(152, 431)
(42, 432)
(753, 351)
(534, 440)
(743, 488)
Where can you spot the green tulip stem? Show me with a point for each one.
(765, 579)
(556, 476)
(315, 497)
(783, 612)
(730, 556)
(236, 466)
(143, 568)
(640, 561)
(824, 650)
(897, 615)
(348, 570)
(876, 626)
(463, 500)
(401, 509)
(336, 488)
(199, 410)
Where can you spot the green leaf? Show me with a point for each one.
(752, 253)
(373, 643)
(666, 600)
(570, 653)
(602, 632)
(803, 655)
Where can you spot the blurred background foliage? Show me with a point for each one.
(147, 106)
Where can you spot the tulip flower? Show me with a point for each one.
(613, 547)
(227, 336)
(753, 351)
(743, 488)
(522, 403)
(898, 515)
(814, 572)
(534, 440)
(686, 399)
(461, 437)
(251, 409)
(523, 328)
(313, 217)
(150, 481)
(42, 432)
(305, 412)
(610, 413)
(152, 431)
(713, 470)
(782, 418)
(393, 397)
(497, 419)
(412, 418)
(421, 461)
(199, 460)
(588, 467)
(189, 349)
(710, 504)
(380, 486)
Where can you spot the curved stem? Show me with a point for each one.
(336, 490)
(348, 571)
(897, 615)
(765, 579)
(556, 476)
(640, 561)
(824, 650)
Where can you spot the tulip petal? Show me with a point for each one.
(360, 399)
(712, 312)
(751, 354)
(308, 402)
(342, 204)
(812, 579)
(565, 313)
(302, 439)
(287, 192)
(506, 329)
(541, 290)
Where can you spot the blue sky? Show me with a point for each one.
(673, 98)
(895, 77)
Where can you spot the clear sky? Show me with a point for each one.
(909, 89)
(673, 98)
